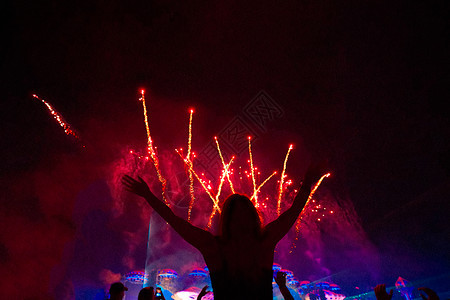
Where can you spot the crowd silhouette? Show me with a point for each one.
(117, 291)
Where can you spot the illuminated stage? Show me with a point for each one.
(188, 285)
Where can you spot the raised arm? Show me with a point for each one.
(202, 293)
(278, 228)
(280, 279)
(381, 294)
(195, 236)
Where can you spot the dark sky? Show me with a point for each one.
(363, 84)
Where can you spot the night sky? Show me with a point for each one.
(362, 84)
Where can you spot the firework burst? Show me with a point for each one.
(270, 210)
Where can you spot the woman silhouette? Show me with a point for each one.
(240, 258)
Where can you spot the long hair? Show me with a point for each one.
(252, 217)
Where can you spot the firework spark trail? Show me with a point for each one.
(311, 194)
(252, 170)
(191, 177)
(222, 178)
(191, 192)
(280, 190)
(190, 134)
(188, 164)
(299, 220)
(261, 185)
(224, 165)
(59, 118)
(219, 190)
(211, 218)
(151, 150)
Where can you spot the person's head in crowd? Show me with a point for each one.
(117, 291)
(146, 293)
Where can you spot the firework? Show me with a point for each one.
(151, 150)
(59, 118)
(223, 163)
(280, 189)
(219, 190)
(305, 209)
(202, 182)
(260, 186)
(191, 177)
(223, 176)
(311, 194)
(190, 134)
(252, 170)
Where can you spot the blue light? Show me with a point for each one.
(135, 277)
(198, 273)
